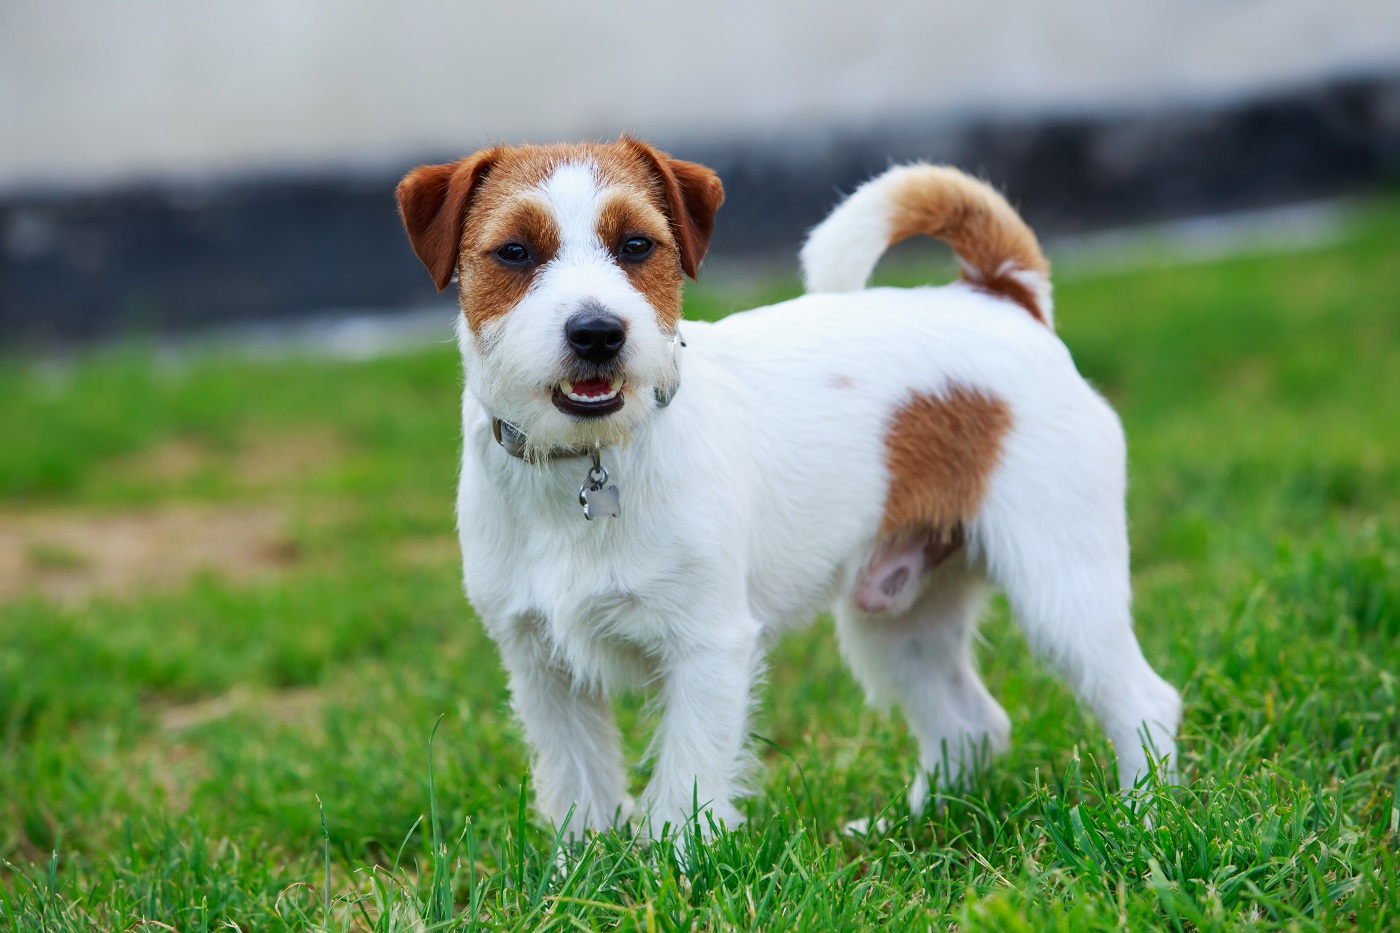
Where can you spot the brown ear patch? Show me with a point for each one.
(693, 194)
(941, 450)
(433, 202)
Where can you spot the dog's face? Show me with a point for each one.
(569, 264)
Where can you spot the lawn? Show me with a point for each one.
(240, 687)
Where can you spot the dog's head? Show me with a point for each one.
(569, 264)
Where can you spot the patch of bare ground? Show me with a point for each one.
(176, 762)
(260, 460)
(294, 706)
(175, 767)
(277, 459)
(69, 556)
(171, 461)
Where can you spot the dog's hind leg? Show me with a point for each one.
(920, 659)
(1061, 555)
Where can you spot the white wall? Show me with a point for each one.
(94, 91)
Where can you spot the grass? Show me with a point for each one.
(253, 753)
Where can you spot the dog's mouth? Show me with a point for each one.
(588, 398)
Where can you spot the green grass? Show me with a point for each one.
(163, 751)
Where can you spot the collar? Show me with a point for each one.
(514, 441)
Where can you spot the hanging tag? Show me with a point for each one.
(595, 495)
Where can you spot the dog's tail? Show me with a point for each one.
(995, 248)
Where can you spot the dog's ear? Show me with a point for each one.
(693, 195)
(433, 202)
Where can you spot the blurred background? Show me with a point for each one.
(167, 165)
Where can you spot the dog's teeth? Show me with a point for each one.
(568, 389)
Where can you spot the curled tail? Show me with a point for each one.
(995, 248)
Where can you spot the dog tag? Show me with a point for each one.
(600, 501)
(595, 495)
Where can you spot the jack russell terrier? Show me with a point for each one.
(642, 508)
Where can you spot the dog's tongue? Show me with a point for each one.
(593, 387)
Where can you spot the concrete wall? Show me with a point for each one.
(93, 93)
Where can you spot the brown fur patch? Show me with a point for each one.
(940, 451)
(488, 287)
(985, 231)
(628, 212)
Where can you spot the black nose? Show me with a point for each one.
(596, 336)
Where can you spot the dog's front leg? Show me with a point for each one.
(575, 749)
(699, 746)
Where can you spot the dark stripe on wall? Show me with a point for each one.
(156, 259)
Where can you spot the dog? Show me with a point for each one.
(647, 502)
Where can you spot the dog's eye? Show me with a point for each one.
(635, 247)
(513, 253)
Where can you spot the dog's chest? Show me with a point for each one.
(601, 595)
(602, 622)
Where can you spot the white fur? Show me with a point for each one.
(752, 503)
(842, 251)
